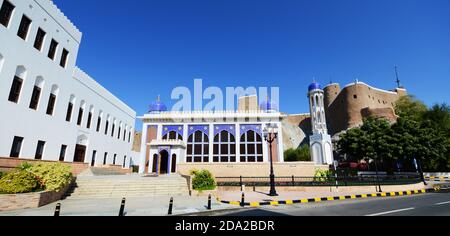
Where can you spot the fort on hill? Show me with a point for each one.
(345, 108)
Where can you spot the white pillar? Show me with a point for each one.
(280, 143)
(143, 148)
(211, 143)
(238, 142)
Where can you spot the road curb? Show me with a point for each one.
(326, 199)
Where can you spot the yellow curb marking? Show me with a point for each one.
(383, 194)
(317, 199)
(416, 191)
(400, 193)
(235, 203)
(364, 195)
(254, 204)
(393, 194)
(373, 194)
(408, 192)
(330, 198)
(341, 197)
(274, 203)
(352, 197)
(304, 201)
(423, 190)
(289, 202)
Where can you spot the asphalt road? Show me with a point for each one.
(432, 204)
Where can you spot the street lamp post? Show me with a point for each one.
(270, 135)
(376, 173)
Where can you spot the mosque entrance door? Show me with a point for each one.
(164, 167)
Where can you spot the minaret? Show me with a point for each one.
(320, 140)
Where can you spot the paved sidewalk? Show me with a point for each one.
(153, 206)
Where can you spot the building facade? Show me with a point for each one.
(52, 110)
(173, 138)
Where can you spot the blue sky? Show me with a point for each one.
(138, 49)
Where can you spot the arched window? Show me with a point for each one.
(90, 114)
(120, 130)
(70, 108)
(224, 147)
(81, 112)
(113, 127)
(52, 100)
(16, 87)
(251, 147)
(107, 124)
(173, 135)
(36, 95)
(198, 147)
(99, 120)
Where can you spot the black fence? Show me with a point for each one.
(320, 181)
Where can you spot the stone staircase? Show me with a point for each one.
(128, 186)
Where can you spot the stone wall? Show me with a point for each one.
(9, 202)
(7, 164)
(348, 107)
(252, 169)
(296, 130)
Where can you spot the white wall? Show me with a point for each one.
(19, 120)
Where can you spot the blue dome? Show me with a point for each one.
(314, 86)
(268, 106)
(157, 107)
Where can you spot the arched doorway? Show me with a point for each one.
(80, 149)
(155, 164)
(174, 163)
(164, 167)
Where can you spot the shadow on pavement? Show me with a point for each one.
(256, 212)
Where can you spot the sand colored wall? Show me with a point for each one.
(357, 101)
(252, 169)
(296, 130)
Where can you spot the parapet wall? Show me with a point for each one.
(60, 18)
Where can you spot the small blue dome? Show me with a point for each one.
(268, 106)
(157, 107)
(314, 86)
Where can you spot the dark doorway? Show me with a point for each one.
(155, 163)
(94, 154)
(174, 163)
(80, 152)
(164, 167)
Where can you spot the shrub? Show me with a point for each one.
(322, 175)
(300, 154)
(19, 181)
(203, 180)
(53, 176)
(24, 166)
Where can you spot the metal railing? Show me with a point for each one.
(286, 181)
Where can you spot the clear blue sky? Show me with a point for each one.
(141, 48)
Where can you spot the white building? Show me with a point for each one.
(320, 140)
(50, 109)
(170, 138)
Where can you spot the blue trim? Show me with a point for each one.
(194, 128)
(169, 128)
(255, 128)
(231, 128)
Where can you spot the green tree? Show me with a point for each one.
(410, 107)
(300, 154)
